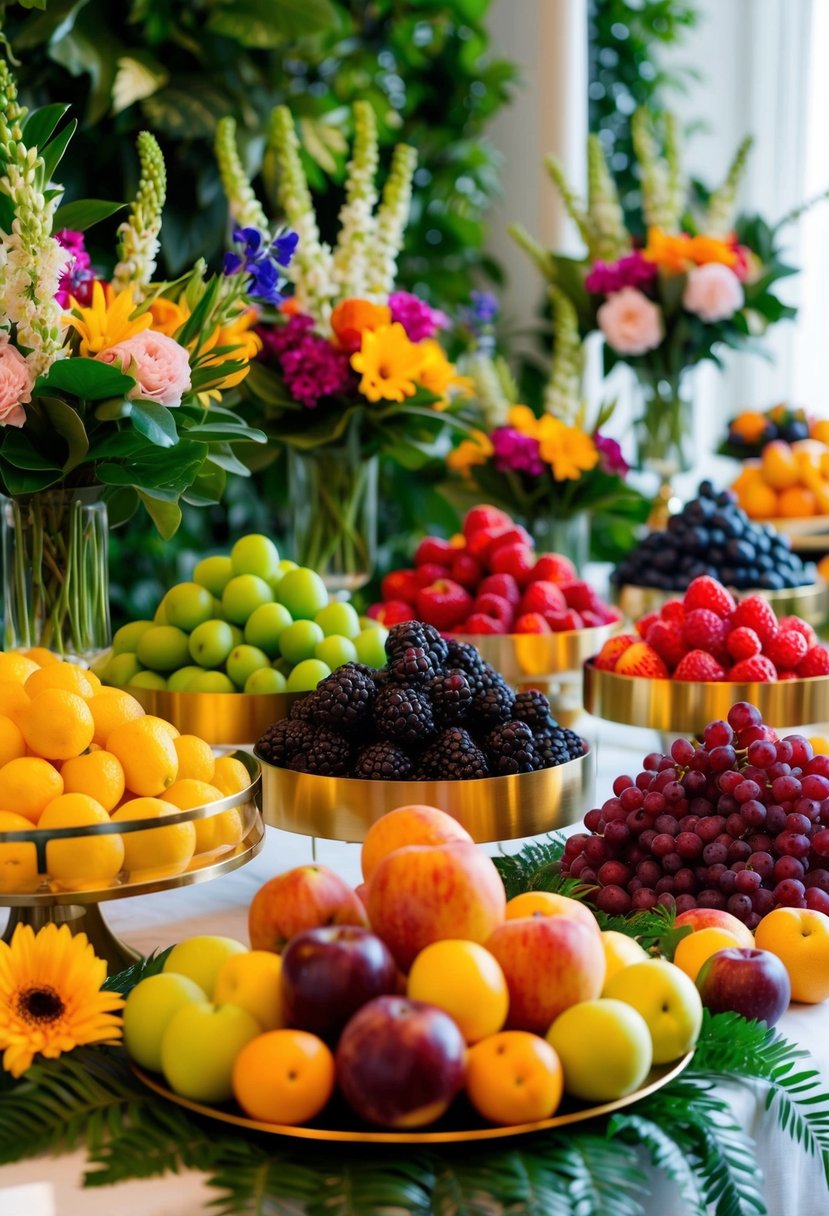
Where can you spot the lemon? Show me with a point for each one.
(64, 676)
(18, 862)
(222, 831)
(29, 784)
(195, 758)
(58, 724)
(109, 708)
(156, 852)
(85, 861)
(97, 773)
(147, 755)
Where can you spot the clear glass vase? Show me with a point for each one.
(333, 497)
(663, 431)
(570, 537)
(56, 572)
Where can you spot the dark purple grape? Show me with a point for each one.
(613, 900)
(790, 894)
(717, 734)
(621, 783)
(739, 906)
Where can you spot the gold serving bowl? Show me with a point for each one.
(683, 707)
(810, 602)
(523, 658)
(220, 718)
(490, 808)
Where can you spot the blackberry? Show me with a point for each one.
(329, 754)
(552, 748)
(382, 762)
(417, 633)
(303, 708)
(533, 708)
(511, 749)
(466, 657)
(404, 714)
(414, 665)
(492, 704)
(344, 698)
(451, 697)
(576, 746)
(283, 740)
(453, 757)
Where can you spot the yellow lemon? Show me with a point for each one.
(195, 758)
(13, 700)
(28, 785)
(97, 773)
(109, 708)
(155, 852)
(60, 675)
(12, 743)
(83, 861)
(230, 776)
(41, 656)
(58, 724)
(147, 755)
(18, 862)
(214, 832)
(16, 667)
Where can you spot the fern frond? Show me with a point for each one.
(604, 1175)
(665, 1153)
(523, 1181)
(124, 981)
(522, 870)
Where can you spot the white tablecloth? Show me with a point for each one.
(794, 1184)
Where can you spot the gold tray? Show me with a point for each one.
(806, 532)
(490, 808)
(810, 602)
(658, 1077)
(220, 718)
(524, 657)
(682, 707)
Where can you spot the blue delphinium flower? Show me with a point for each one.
(262, 261)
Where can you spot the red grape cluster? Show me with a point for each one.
(737, 821)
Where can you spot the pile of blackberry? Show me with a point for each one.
(436, 711)
(713, 536)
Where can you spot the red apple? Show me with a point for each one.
(531, 622)
(550, 963)
(516, 559)
(715, 918)
(330, 973)
(479, 622)
(424, 576)
(481, 544)
(303, 898)
(400, 1063)
(753, 983)
(434, 549)
(395, 612)
(485, 517)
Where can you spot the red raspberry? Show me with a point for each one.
(594, 619)
(434, 549)
(801, 626)
(399, 585)
(787, 675)
(707, 592)
(424, 576)
(554, 568)
(667, 640)
(443, 604)
(465, 570)
(787, 649)
(742, 643)
(531, 622)
(500, 584)
(481, 544)
(644, 623)
(672, 610)
(495, 606)
(815, 662)
(756, 670)
(705, 630)
(581, 595)
(485, 517)
(517, 560)
(757, 614)
(699, 666)
(562, 622)
(393, 612)
(479, 622)
(640, 659)
(612, 650)
(543, 597)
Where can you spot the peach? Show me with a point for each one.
(550, 963)
(713, 918)
(546, 903)
(800, 939)
(407, 825)
(425, 893)
(306, 897)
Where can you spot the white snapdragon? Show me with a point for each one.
(138, 236)
(357, 222)
(392, 217)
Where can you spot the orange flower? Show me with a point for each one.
(438, 375)
(289, 307)
(351, 318)
(671, 252)
(470, 452)
(521, 418)
(568, 450)
(168, 317)
(704, 249)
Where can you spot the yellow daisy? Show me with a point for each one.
(438, 375)
(244, 344)
(470, 452)
(567, 449)
(521, 418)
(107, 320)
(389, 363)
(50, 997)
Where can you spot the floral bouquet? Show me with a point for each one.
(555, 470)
(107, 386)
(349, 367)
(667, 298)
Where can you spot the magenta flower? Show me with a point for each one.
(78, 277)
(612, 460)
(418, 318)
(516, 452)
(311, 367)
(633, 270)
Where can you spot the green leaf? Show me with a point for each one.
(40, 124)
(155, 422)
(86, 378)
(6, 213)
(270, 23)
(187, 112)
(139, 75)
(165, 515)
(70, 426)
(124, 981)
(17, 449)
(83, 213)
(223, 432)
(53, 152)
(208, 487)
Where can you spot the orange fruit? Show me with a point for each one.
(408, 825)
(82, 861)
(110, 707)
(780, 467)
(18, 861)
(545, 903)
(16, 667)
(800, 939)
(98, 774)
(195, 758)
(230, 776)
(42, 656)
(284, 1076)
(64, 676)
(514, 1077)
(12, 743)
(171, 730)
(214, 831)
(465, 981)
(155, 852)
(13, 699)
(820, 430)
(695, 949)
(147, 755)
(28, 785)
(749, 425)
(759, 501)
(58, 724)
(797, 502)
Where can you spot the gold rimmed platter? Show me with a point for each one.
(220, 718)
(490, 808)
(684, 707)
(810, 602)
(806, 532)
(524, 657)
(346, 1130)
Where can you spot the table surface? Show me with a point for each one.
(794, 1184)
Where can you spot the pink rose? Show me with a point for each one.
(15, 384)
(162, 366)
(713, 292)
(630, 322)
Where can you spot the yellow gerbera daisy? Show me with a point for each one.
(245, 345)
(389, 363)
(50, 997)
(107, 320)
(567, 449)
(475, 450)
(521, 418)
(438, 375)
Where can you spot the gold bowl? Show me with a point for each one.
(683, 707)
(522, 658)
(810, 602)
(220, 718)
(490, 808)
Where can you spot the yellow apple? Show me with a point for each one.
(149, 1010)
(620, 951)
(668, 1001)
(201, 958)
(253, 982)
(200, 1046)
(605, 1049)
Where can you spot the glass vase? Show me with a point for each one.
(569, 536)
(663, 431)
(333, 498)
(56, 573)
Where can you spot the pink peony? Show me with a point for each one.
(713, 292)
(162, 367)
(630, 322)
(15, 384)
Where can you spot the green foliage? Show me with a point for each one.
(124, 981)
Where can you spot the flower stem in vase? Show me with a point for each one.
(662, 430)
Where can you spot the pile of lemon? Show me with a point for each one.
(74, 753)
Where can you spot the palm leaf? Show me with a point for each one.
(665, 1154)
(604, 1176)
